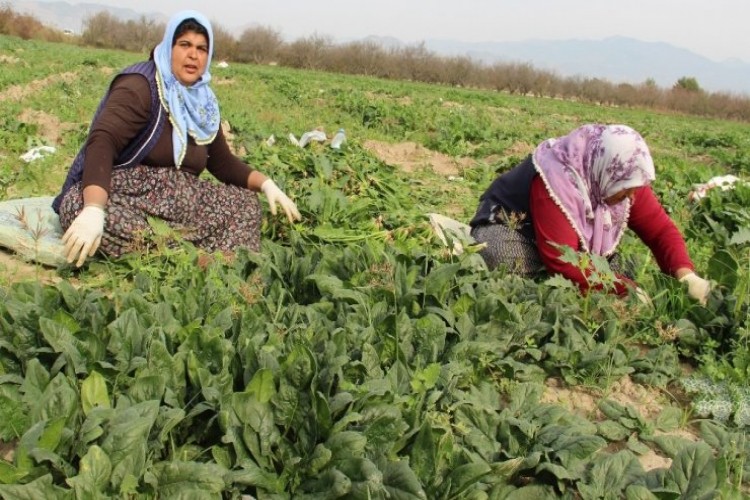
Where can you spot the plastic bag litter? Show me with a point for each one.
(312, 135)
(725, 182)
(271, 140)
(458, 232)
(37, 153)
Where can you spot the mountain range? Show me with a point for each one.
(616, 59)
(67, 16)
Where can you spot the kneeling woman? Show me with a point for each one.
(153, 134)
(581, 191)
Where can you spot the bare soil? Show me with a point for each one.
(15, 270)
(647, 401)
(19, 92)
(411, 156)
(7, 451)
(50, 127)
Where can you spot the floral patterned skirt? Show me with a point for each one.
(212, 216)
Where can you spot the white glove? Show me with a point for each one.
(84, 235)
(276, 195)
(698, 288)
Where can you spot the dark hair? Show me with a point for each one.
(190, 24)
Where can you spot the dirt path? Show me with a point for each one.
(15, 270)
(19, 92)
(411, 156)
(51, 129)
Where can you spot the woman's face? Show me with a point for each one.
(189, 57)
(620, 196)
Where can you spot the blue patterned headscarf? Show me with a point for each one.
(192, 110)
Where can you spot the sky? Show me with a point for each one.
(716, 29)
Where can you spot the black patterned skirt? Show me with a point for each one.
(519, 254)
(509, 248)
(212, 216)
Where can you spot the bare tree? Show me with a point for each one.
(224, 43)
(100, 30)
(259, 45)
(262, 45)
(459, 71)
(306, 53)
(25, 26)
(418, 63)
(145, 34)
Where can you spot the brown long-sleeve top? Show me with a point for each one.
(126, 113)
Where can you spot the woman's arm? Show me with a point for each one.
(95, 195)
(227, 167)
(551, 226)
(126, 112)
(255, 180)
(650, 222)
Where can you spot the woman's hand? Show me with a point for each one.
(698, 288)
(84, 235)
(276, 195)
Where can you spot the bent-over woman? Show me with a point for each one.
(582, 191)
(154, 132)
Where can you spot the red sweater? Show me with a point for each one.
(647, 219)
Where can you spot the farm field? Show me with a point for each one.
(356, 356)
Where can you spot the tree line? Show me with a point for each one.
(264, 45)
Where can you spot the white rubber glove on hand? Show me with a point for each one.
(276, 195)
(698, 288)
(84, 235)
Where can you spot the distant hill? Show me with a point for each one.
(616, 59)
(66, 16)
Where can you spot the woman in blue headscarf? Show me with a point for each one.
(153, 134)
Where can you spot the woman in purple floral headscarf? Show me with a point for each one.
(580, 190)
(155, 131)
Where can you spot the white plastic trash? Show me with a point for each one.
(458, 232)
(36, 153)
(312, 135)
(725, 182)
(338, 139)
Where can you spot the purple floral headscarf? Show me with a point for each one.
(583, 168)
